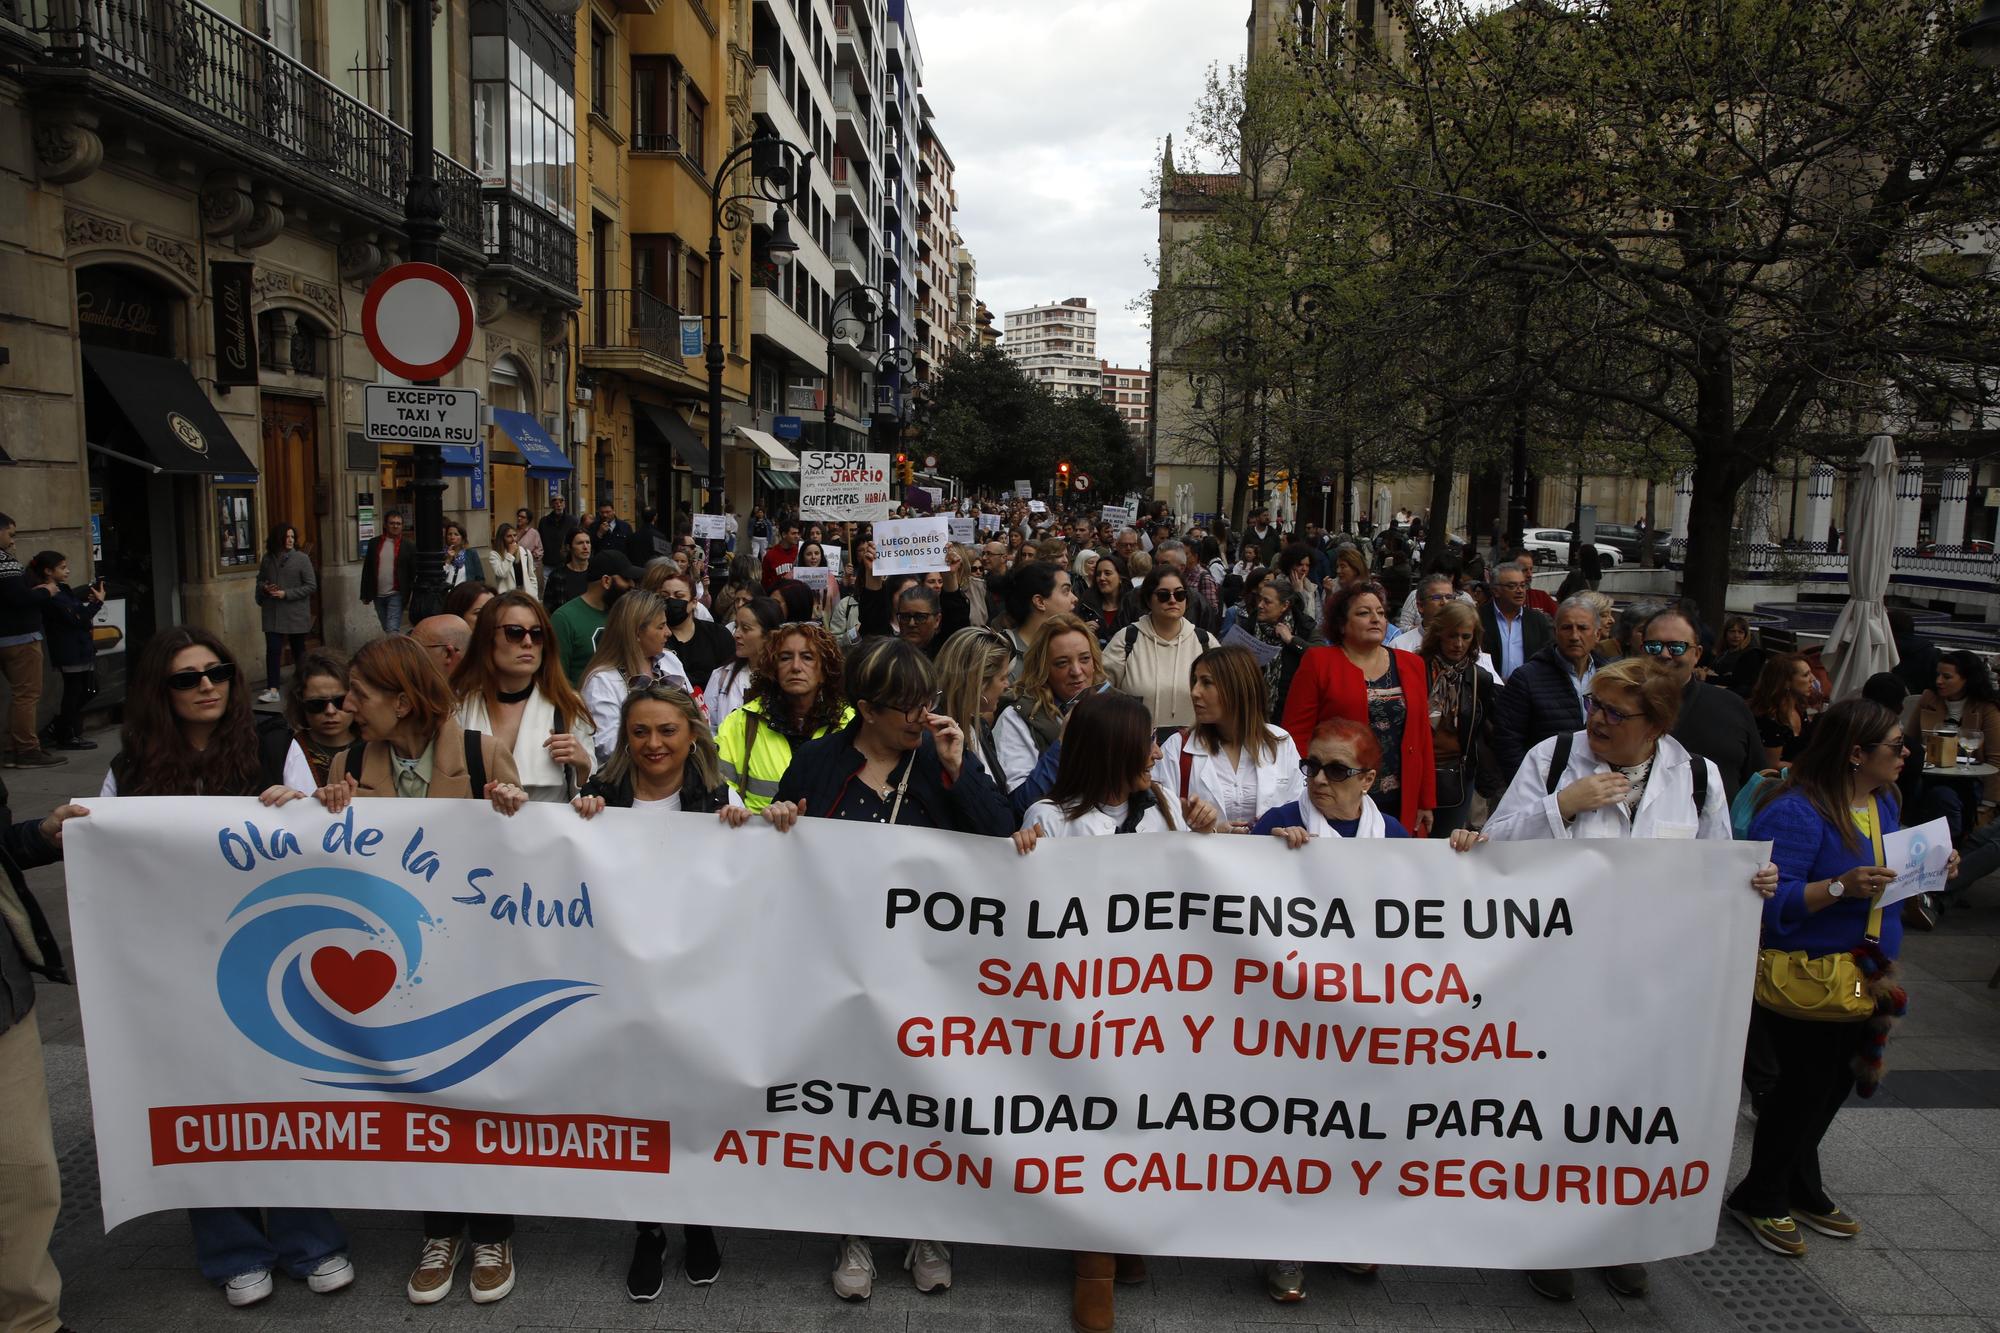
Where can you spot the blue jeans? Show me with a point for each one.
(389, 610)
(228, 1241)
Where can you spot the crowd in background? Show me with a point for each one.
(1058, 678)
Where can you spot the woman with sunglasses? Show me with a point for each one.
(729, 684)
(632, 654)
(1364, 680)
(794, 698)
(1232, 767)
(320, 726)
(1150, 658)
(902, 764)
(512, 565)
(1826, 821)
(1622, 776)
(511, 686)
(188, 732)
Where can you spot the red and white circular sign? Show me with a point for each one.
(418, 321)
(1080, 482)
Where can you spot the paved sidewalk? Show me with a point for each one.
(1920, 1165)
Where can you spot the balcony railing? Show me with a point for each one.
(522, 236)
(189, 58)
(655, 143)
(631, 319)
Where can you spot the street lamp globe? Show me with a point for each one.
(1981, 37)
(781, 247)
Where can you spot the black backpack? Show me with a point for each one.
(475, 762)
(1201, 636)
(1567, 740)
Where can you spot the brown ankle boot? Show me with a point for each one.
(1131, 1269)
(1091, 1305)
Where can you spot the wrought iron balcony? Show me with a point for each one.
(535, 243)
(205, 72)
(631, 330)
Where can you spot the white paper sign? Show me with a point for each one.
(711, 527)
(989, 523)
(1118, 516)
(1024, 489)
(813, 576)
(964, 532)
(1155, 1044)
(1918, 855)
(838, 485)
(911, 545)
(834, 555)
(1037, 507)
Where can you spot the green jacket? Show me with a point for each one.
(755, 774)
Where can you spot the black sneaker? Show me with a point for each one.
(1558, 1284)
(1627, 1279)
(703, 1260)
(79, 743)
(35, 759)
(647, 1276)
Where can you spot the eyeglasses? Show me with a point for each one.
(221, 673)
(911, 712)
(916, 617)
(1509, 585)
(1170, 594)
(523, 634)
(1667, 648)
(1312, 768)
(327, 705)
(1593, 704)
(1899, 744)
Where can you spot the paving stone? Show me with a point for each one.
(1971, 1275)
(1906, 1222)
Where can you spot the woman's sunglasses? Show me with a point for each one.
(220, 674)
(1312, 768)
(331, 705)
(1170, 594)
(524, 633)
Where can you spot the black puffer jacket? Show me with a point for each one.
(1540, 701)
(822, 769)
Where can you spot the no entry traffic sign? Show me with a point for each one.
(417, 320)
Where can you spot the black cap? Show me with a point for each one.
(614, 564)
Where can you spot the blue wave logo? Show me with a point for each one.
(311, 953)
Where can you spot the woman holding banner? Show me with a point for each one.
(1622, 776)
(188, 732)
(794, 698)
(412, 746)
(1231, 757)
(897, 763)
(1826, 821)
(510, 685)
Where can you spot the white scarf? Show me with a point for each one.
(1317, 824)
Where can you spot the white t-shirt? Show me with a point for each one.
(668, 803)
(1053, 823)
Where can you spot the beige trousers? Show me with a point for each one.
(30, 1186)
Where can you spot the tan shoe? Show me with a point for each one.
(430, 1282)
(1093, 1302)
(492, 1271)
(1132, 1270)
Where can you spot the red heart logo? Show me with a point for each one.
(353, 981)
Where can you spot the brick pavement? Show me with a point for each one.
(1920, 1165)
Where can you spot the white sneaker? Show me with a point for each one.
(270, 696)
(854, 1275)
(929, 1262)
(330, 1274)
(248, 1288)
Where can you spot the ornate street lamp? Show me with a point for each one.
(780, 174)
(865, 304)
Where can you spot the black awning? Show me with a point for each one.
(677, 435)
(173, 425)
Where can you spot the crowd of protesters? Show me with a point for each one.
(1057, 679)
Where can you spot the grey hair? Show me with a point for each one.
(1167, 547)
(1581, 601)
(1438, 577)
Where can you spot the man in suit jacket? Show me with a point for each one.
(1545, 697)
(389, 573)
(1513, 632)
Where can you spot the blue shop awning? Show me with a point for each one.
(459, 460)
(544, 455)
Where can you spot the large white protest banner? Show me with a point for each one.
(1522, 1057)
(911, 545)
(846, 486)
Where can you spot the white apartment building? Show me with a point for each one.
(1131, 393)
(1056, 346)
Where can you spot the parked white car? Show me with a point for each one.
(1556, 541)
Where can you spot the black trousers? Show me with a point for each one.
(79, 688)
(274, 654)
(1814, 1073)
(479, 1228)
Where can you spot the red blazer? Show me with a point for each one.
(1327, 685)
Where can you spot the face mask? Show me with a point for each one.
(677, 611)
(611, 597)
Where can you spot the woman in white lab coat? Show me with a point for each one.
(1231, 757)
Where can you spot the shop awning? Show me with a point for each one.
(777, 455)
(666, 425)
(778, 481)
(460, 460)
(174, 428)
(544, 455)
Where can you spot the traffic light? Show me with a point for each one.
(906, 472)
(1254, 479)
(1062, 477)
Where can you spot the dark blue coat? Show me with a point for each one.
(821, 770)
(1539, 701)
(66, 621)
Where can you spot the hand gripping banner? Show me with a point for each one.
(1374, 1051)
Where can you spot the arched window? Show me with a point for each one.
(292, 343)
(1306, 23)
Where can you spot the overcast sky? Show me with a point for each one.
(1053, 112)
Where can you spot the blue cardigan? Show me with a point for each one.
(1287, 816)
(1806, 848)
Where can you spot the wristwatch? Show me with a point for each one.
(1834, 888)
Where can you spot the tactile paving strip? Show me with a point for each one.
(80, 1201)
(1765, 1292)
